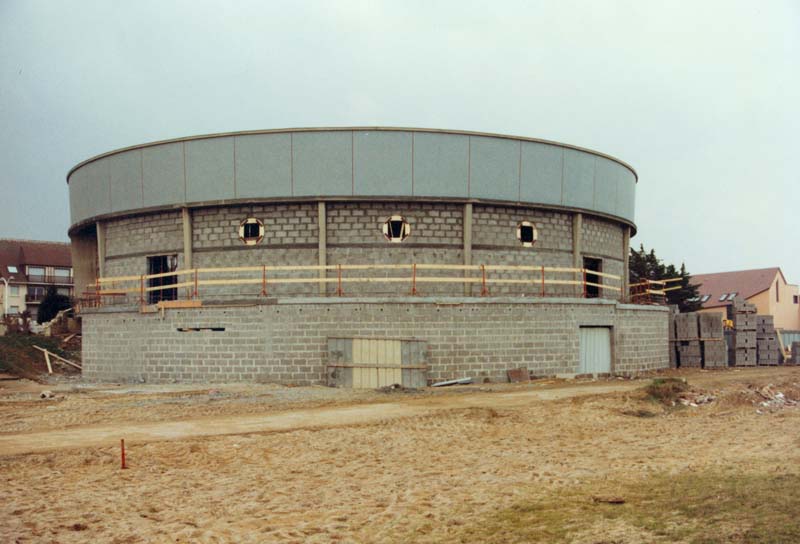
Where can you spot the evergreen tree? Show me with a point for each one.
(52, 303)
(645, 265)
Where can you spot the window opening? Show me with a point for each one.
(732, 295)
(527, 233)
(705, 298)
(396, 229)
(593, 265)
(162, 264)
(13, 269)
(723, 297)
(777, 292)
(796, 298)
(251, 231)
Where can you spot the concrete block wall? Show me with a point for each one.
(291, 234)
(286, 342)
(130, 240)
(354, 236)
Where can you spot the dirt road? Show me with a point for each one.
(486, 464)
(319, 418)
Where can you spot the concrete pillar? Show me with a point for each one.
(322, 222)
(84, 250)
(577, 256)
(186, 215)
(626, 251)
(101, 249)
(467, 228)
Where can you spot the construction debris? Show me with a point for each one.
(461, 381)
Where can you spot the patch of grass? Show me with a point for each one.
(666, 390)
(696, 508)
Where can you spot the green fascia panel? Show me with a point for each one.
(78, 187)
(322, 163)
(605, 185)
(494, 168)
(162, 168)
(97, 192)
(382, 163)
(578, 189)
(263, 165)
(441, 164)
(542, 172)
(209, 169)
(126, 181)
(626, 196)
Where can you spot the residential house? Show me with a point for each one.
(27, 269)
(767, 288)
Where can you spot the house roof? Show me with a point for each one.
(31, 252)
(745, 283)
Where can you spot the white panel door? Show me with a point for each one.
(595, 350)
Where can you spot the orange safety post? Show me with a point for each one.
(263, 280)
(339, 276)
(542, 280)
(484, 290)
(414, 279)
(123, 465)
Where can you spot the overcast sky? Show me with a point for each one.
(702, 98)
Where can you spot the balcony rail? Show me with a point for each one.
(404, 279)
(35, 297)
(38, 278)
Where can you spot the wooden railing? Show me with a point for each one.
(651, 291)
(193, 283)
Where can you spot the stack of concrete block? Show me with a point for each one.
(768, 348)
(688, 339)
(713, 347)
(673, 344)
(743, 315)
(796, 353)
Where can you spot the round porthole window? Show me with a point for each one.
(396, 228)
(251, 231)
(527, 233)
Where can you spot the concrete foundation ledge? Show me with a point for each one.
(287, 340)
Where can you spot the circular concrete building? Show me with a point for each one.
(357, 256)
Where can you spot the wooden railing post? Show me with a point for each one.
(542, 280)
(141, 290)
(339, 276)
(584, 283)
(414, 279)
(484, 289)
(263, 280)
(196, 283)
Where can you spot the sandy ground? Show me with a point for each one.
(269, 464)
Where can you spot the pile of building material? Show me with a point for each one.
(768, 348)
(795, 353)
(715, 351)
(688, 340)
(742, 350)
(697, 341)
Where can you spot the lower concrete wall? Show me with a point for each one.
(286, 340)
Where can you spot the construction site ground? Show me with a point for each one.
(549, 461)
